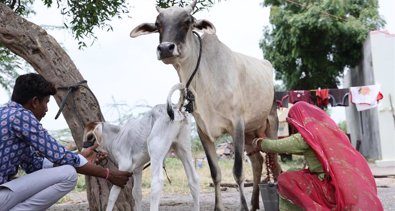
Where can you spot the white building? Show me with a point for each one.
(375, 128)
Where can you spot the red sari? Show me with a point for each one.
(350, 185)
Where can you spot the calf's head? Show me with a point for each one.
(92, 134)
(174, 25)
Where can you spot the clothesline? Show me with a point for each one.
(364, 97)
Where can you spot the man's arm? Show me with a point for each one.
(116, 177)
(28, 128)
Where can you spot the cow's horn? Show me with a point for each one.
(191, 6)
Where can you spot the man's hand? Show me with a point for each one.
(119, 178)
(101, 156)
(94, 156)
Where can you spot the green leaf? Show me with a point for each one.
(311, 42)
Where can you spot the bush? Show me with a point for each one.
(197, 146)
(343, 126)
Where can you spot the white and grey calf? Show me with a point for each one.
(147, 138)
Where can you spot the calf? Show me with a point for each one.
(141, 140)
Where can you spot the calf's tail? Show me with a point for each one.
(169, 106)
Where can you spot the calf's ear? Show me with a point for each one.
(142, 29)
(205, 26)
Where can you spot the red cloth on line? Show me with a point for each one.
(322, 97)
(299, 95)
(348, 171)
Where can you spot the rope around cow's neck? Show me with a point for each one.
(198, 61)
(188, 94)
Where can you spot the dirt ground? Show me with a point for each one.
(171, 202)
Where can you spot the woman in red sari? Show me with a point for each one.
(337, 178)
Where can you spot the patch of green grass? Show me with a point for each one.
(80, 187)
(64, 199)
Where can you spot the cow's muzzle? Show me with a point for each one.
(167, 50)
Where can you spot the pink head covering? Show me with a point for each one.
(347, 168)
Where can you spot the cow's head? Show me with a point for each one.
(174, 26)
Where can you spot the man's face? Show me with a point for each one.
(40, 108)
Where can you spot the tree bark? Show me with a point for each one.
(42, 51)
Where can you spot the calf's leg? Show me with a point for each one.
(136, 191)
(112, 198)
(183, 151)
(115, 190)
(157, 148)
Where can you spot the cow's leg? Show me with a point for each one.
(238, 171)
(158, 147)
(215, 171)
(183, 151)
(136, 191)
(256, 159)
(271, 132)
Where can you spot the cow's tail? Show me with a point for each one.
(169, 105)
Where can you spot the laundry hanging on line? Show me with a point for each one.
(364, 97)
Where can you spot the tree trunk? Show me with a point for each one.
(42, 51)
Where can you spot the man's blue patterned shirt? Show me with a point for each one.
(24, 143)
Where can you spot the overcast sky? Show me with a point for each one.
(125, 70)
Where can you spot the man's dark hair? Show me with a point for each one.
(31, 85)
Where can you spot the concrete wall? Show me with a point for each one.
(363, 125)
(383, 59)
(374, 127)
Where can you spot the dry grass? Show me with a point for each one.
(179, 182)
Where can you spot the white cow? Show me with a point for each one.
(141, 140)
(233, 92)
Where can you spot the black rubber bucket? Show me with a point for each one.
(269, 196)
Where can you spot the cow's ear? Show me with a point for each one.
(144, 28)
(205, 26)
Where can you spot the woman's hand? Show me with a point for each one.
(256, 143)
